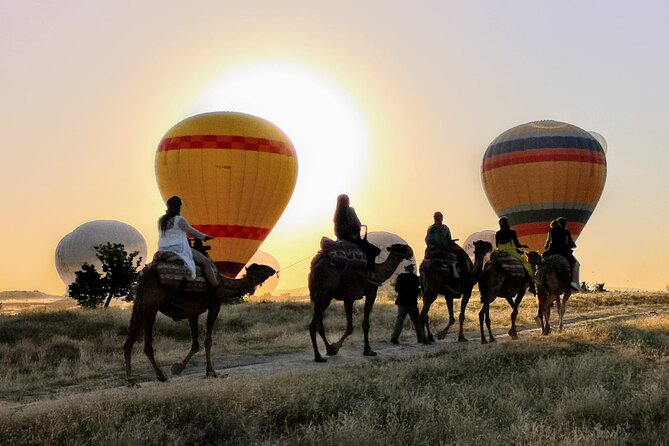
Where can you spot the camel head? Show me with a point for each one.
(257, 273)
(481, 248)
(534, 258)
(403, 251)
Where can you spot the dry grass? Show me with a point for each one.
(44, 350)
(598, 383)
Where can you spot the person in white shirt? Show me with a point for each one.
(172, 237)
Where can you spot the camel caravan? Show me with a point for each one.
(182, 283)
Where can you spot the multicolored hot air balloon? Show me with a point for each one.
(539, 171)
(235, 174)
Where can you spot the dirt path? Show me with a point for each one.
(350, 354)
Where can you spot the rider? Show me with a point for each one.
(506, 240)
(575, 265)
(560, 241)
(439, 242)
(347, 227)
(173, 230)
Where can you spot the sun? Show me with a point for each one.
(325, 125)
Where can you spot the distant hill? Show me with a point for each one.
(304, 291)
(4, 295)
(15, 302)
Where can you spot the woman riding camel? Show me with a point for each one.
(506, 240)
(173, 230)
(347, 227)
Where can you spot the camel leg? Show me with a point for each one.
(451, 319)
(133, 333)
(334, 348)
(563, 307)
(425, 320)
(316, 323)
(148, 347)
(179, 367)
(547, 317)
(212, 314)
(482, 313)
(513, 332)
(487, 323)
(461, 318)
(539, 317)
(369, 304)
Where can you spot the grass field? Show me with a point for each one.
(603, 382)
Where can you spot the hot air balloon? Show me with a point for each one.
(539, 171)
(263, 258)
(235, 174)
(78, 246)
(488, 235)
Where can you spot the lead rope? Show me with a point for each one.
(293, 264)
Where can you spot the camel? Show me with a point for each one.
(327, 282)
(553, 279)
(495, 282)
(152, 297)
(436, 282)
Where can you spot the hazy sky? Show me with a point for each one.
(392, 102)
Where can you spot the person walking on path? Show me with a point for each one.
(408, 290)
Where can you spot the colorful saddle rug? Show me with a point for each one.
(174, 274)
(341, 254)
(511, 265)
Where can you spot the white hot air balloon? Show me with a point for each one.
(78, 246)
(384, 240)
(488, 235)
(263, 258)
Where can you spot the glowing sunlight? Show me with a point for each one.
(323, 122)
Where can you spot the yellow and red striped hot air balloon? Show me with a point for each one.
(540, 171)
(235, 174)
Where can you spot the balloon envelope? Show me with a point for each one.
(235, 174)
(263, 258)
(539, 171)
(78, 247)
(488, 235)
(601, 140)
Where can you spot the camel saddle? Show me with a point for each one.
(438, 260)
(341, 254)
(556, 262)
(174, 274)
(511, 265)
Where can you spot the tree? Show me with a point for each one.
(92, 289)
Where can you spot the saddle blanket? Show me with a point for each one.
(558, 264)
(173, 273)
(341, 254)
(444, 265)
(511, 265)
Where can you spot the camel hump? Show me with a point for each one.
(341, 254)
(510, 264)
(327, 243)
(174, 274)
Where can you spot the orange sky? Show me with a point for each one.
(89, 90)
